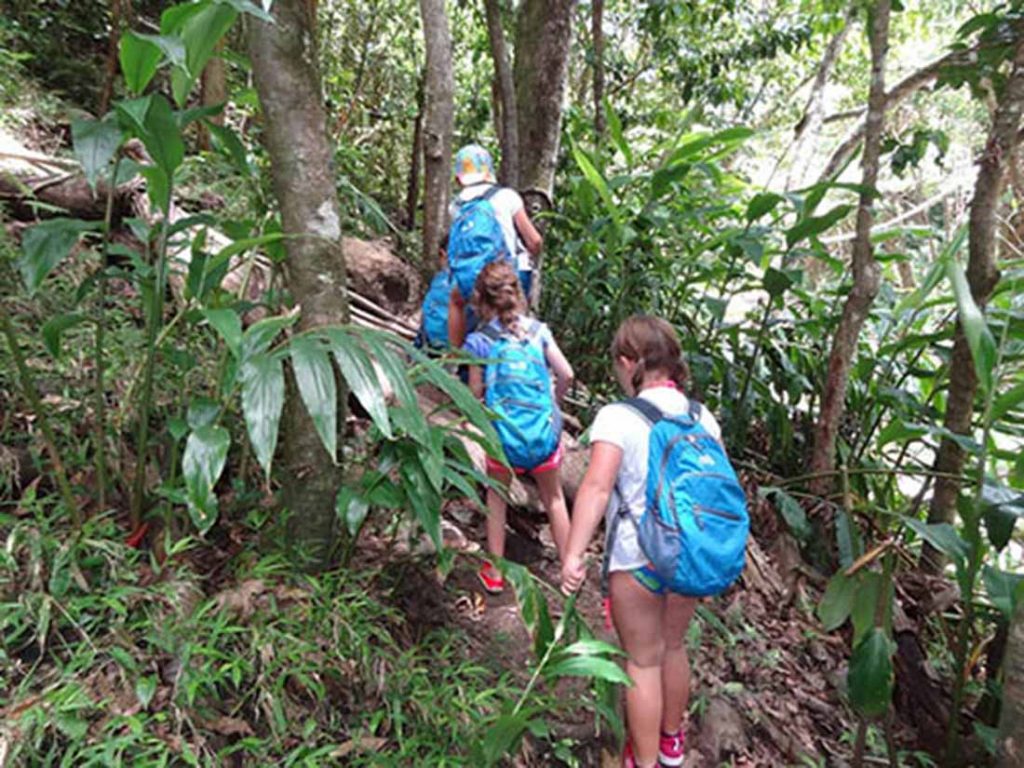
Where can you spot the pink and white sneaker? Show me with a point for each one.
(670, 749)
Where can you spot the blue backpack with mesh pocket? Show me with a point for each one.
(434, 325)
(475, 239)
(695, 524)
(518, 389)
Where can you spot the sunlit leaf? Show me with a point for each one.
(95, 143)
(315, 378)
(594, 667)
(206, 452)
(357, 368)
(139, 59)
(972, 321)
(262, 399)
(45, 245)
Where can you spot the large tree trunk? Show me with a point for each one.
(1010, 748)
(809, 127)
(543, 43)
(866, 272)
(597, 40)
(982, 275)
(437, 124)
(507, 124)
(302, 169)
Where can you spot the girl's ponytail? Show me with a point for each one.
(498, 293)
(651, 343)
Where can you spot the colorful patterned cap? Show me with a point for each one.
(473, 164)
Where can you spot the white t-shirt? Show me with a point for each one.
(620, 425)
(507, 203)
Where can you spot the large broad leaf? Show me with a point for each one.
(1003, 589)
(261, 334)
(359, 373)
(837, 603)
(761, 204)
(812, 226)
(942, 536)
(139, 59)
(226, 141)
(777, 282)
(171, 46)
(792, 512)
(95, 143)
(594, 667)
(865, 603)
(162, 136)
(596, 180)
(262, 400)
(200, 26)
(1001, 507)
(352, 509)
(45, 245)
(53, 330)
(871, 675)
(228, 325)
(158, 186)
(976, 330)
(206, 452)
(315, 378)
(501, 738)
(532, 607)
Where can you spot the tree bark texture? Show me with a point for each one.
(866, 272)
(412, 192)
(982, 276)
(597, 40)
(284, 64)
(507, 122)
(118, 10)
(438, 124)
(809, 127)
(909, 85)
(214, 89)
(1010, 748)
(543, 43)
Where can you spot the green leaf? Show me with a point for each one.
(206, 452)
(54, 328)
(200, 28)
(594, 177)
(1001, 508)
(942, 536)
(228, 324)
(791, 511)
(171, 46)
(532, 606)
(71, 725)
(591, 646)
(761, 204)
(45, 245)
(357, 368)
(261, 334)
(139, 59)
(1003, 589)
(865, 603)
(351, 508)
(1007, 402)
(162, 136)
(812, 226)
(837, 603)
(315, 378)
(95, 144)
(776, 282)
(593, 667)
(870, 677)
(502, 737)
(615, 130)
(202, 412)
(979, 337)
(244, 6)
(145, 687)
(226, 142)
(262, 399)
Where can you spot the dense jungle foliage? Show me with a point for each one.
(181, 582)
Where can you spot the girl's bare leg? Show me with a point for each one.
(549, 487)
(675, 668)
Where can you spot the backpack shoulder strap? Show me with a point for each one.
(647, 410)
(494, 189)
(491, 332)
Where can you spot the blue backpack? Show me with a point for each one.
(474, 241)
(518, 389)
(434, 325)
(695, 523)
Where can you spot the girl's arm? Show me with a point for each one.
(476, 381)
(560, 367)
(589, 508)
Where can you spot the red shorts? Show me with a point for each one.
(554, 461)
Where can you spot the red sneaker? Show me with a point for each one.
(492, 579)
(670, 749)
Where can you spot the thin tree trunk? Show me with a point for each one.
(412, 193)
(982, 276)
(809, 127)
(508, 122)
(866, 272)
(214, 89)
(118, 10)
(597, 38)
(437, 124)
(1010, 747)
(288, 82)
(543, 43)
(909, 85)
